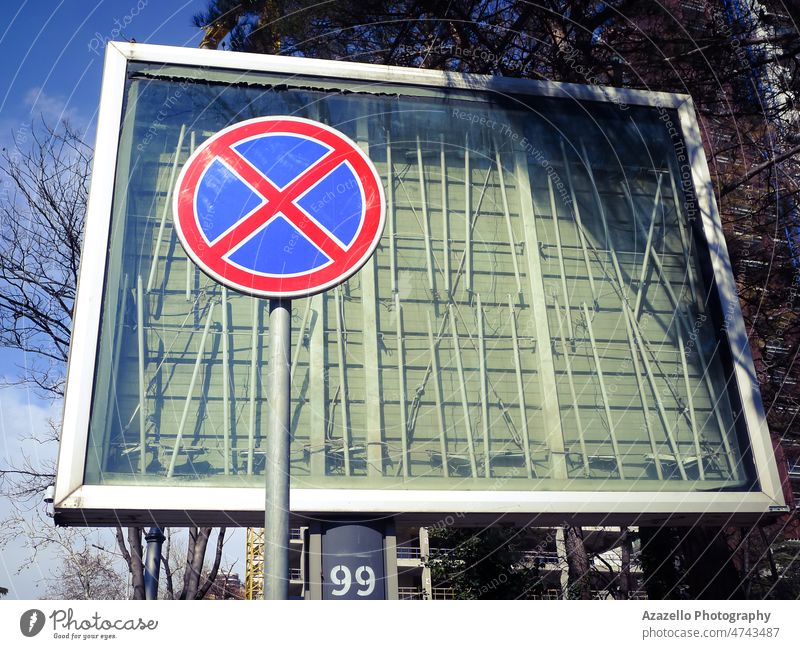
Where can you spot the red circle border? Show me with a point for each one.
(194, 243)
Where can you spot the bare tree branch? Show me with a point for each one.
(768, 164)
(212, 576)
(136, 562)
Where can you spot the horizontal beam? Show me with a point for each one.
(182, 506)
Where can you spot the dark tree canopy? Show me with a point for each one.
(487, 563)
(742, 72)
(739, 61)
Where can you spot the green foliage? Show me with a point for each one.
(786, 557)
(487, 563)
(787, 561)
(459, 35)
(694, 49)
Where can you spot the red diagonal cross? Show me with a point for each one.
(279, 200)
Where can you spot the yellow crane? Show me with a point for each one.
(254, 564)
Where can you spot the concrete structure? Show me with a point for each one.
(413, 552)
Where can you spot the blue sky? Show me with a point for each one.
(52, 55)
(53, 51)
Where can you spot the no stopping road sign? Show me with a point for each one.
(279, 207)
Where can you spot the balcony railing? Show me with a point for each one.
(410, 592)
(414, 592)
(555, 593)
(442, 593)
(541, 557)
(408, 552)
(529, 555)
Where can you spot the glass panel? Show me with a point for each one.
(534, 318)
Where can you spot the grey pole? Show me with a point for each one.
(276, 514)
(154, 538)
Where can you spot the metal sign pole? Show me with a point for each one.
(276, 513)
(155, 538)
(263, 265)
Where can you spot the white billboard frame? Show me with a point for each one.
(76, 503)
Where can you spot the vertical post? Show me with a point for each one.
(226, 384)
(190, 267)
(254, 351)
(551, 413)
(401, 377)
(343, 394)
(314, 561)
(487, 467)
(154, 538)
(464, 399)
(426, 226)
(318, 386)
(390, 213)
(390, 557)
(437, 378)
(561, 267)
(276, 515)
(370, 294)
(424, 555)
(445, 217)
(468, 217)
(679, 334)
(507, 213)
(142, 385)
(523, 411)
(300, 335)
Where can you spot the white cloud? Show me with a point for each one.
(22, 414)
(53, 108)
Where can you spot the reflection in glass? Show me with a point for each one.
(534, 318)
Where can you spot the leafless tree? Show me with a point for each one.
(86, 572)
(42, 209)
(198, 580)
(85, 568)
(45, 180)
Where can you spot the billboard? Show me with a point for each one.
(548, 327)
